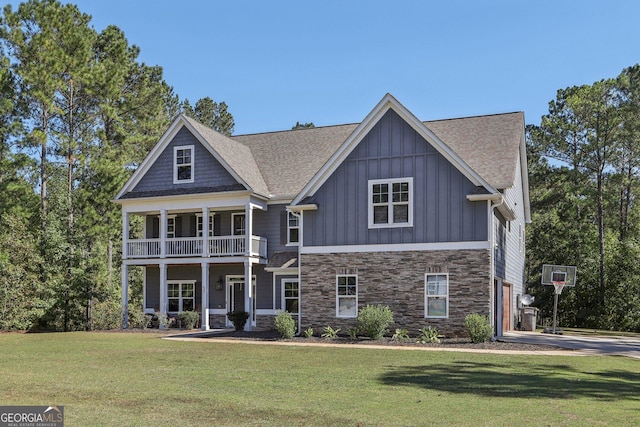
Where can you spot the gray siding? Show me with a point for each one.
(271, 224)
(207, 171)
(393, 149)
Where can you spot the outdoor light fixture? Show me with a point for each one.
(219, 284)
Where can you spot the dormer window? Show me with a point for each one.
(183, 164)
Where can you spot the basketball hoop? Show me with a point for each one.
(559, 285)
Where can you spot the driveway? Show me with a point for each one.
(591, 344)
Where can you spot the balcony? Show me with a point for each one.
(218, 246)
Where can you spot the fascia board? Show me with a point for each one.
(151, 157)
(386, 103)
(216, 155)
(524, 170)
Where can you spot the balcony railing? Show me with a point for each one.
(219, 246)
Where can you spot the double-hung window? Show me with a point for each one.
(293, 228)
(436, 295)
(347, 295)
(391, 203)
(183, 164)
(181, 296)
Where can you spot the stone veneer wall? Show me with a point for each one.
(396, 279)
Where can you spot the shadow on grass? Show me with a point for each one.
(530, 381)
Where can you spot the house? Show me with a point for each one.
(425, 217)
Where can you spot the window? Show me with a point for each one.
(291, 296)
(181, 296)
(347, 296)
(436, 298)
(391, 203)
(293, 229)
(171, 226)
(238, 220)
(183, 164)
(199, 225)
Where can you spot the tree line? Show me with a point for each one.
(78, 113)
(584, 172)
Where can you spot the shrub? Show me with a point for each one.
(188, 319)
(308, 333)
(284, 324)
(353, 333)
(478, 327)
(400, 335)
(428, 335)
(108, 315)
(238, 318)
(139, 319)
(163, 320)
(330, 333)
(373, 320)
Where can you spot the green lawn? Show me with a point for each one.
(135, 379)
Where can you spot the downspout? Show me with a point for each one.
(492, 243)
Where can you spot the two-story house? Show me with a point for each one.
(425, 217)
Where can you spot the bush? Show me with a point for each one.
(108, 315)
(188, 319)
(400, 335)
(238, 318)
(285, 325)
(478, 327)
(373, 321)
(308, 333)
(139, 319)
(330, 333)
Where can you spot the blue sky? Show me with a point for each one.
(329, 62)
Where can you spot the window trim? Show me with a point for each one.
(244, 223)
(339, 297)
(176, 179)
(200, 224)
(171, 224)
(290, 216)
(180, 297)
(283, 297)
(390, 204)
(427, 296)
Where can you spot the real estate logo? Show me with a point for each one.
(31, 416)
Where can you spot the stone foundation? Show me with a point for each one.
(396, 279)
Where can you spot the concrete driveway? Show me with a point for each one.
(591, 344)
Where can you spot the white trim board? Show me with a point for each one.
(400, 247)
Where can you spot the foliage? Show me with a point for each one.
(330, 333)
(163, 320)
(478, 327)
(373, 320)
(188, 319)
(238, 318)
(139, 319)
(107, 315)
(400, 335)
(353, 333)
(211, 114)
(308, 333)
(428, 335)
(299, 125)
(284, 324)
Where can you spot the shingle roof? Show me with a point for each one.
(237, 156)
(289, 159)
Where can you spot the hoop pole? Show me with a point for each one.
(555, 311)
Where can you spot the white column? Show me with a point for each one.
(163, 233)
(248, 218)
(163, 289)
(204, 324)
(125, 296)
(205, 232)
(125, 233)
(248, 295)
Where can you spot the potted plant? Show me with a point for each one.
(238, 318)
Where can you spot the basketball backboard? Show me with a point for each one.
(558, 273)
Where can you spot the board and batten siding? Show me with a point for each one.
(393, 149)
(208, 172)
(272, 225)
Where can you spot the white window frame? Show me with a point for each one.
(244, 223)
(341, 297)
(176, 166)
(171, 225)
(390, 203)
(284, 298)
(427, 296)
(180, 297)
(296, 226)
(199, 224)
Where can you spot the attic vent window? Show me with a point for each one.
(183, 164)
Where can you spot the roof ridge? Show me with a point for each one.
(294, 130)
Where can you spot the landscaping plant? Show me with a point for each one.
(330, 333)
(238, 318)
(284, 324)
(428, 335)
(373, 321)
(478, 327)
(188, 319)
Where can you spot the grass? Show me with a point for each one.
(133, 379)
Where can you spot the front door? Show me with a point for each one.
(236, 296)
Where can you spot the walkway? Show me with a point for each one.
(586, 344)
